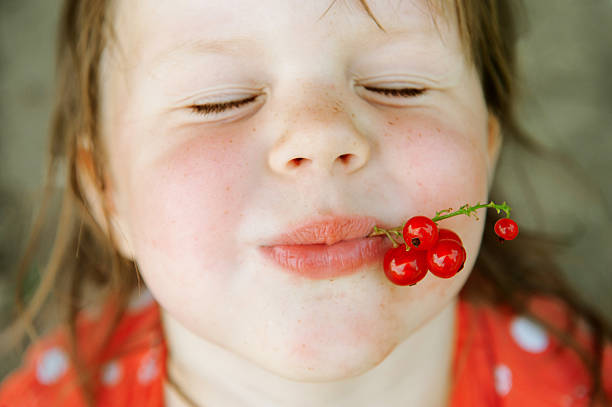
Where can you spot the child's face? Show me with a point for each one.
(197, 195)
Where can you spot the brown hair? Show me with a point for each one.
(84, 256)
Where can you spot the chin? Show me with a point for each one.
(326, 364)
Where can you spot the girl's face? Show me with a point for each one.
(196, 195)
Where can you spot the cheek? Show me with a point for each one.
(194, 201)
(435, 165)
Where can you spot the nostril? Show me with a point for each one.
(296, 162)
(301, 161)
(345, 158)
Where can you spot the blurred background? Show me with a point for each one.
(565, 58)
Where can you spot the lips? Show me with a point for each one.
(328, 247)
(328, 230)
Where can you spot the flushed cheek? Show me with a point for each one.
(435, 166)
(193, 204)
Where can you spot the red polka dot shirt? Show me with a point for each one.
(500, 359)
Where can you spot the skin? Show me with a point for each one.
(192, 197)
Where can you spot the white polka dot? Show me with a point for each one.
(567, 400)
(503, 379)
(580, 391)
(111, 373)
(140, 302)
(51, 366)
(147, 369)
(528, 335)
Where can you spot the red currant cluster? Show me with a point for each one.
(427, 247)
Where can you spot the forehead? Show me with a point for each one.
(220, 12)
(149, 29)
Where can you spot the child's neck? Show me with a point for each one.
(417, 372)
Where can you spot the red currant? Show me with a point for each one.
(449, 234)
(506, 229)
(446, 258)
(420, 233)
(405, 267)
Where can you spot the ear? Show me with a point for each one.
(494, 144)
(101, 202)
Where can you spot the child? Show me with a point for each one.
(198, 134)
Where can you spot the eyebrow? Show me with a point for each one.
(235, 46)
(226, 46)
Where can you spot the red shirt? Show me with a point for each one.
(500, 359)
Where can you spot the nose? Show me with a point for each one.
(319, 139)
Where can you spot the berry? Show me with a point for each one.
(446, 258)
(420, 233)
(442, 249)
(449, 234)
(506, 229)
(405, 267)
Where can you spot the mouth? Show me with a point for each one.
(321, 261)
(328, 248)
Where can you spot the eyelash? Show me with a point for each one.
(221, 107)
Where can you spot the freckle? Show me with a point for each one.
(227, 188)
(391, 123)
(438, 129)
(352, 114)
(225, 212)
(253, 128)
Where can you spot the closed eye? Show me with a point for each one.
(404, 92)
(211, 108)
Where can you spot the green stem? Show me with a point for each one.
(464, 210)
(468, 210)
(380, 231)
